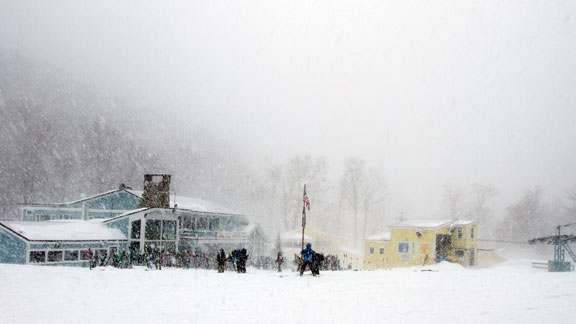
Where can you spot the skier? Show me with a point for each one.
(307, 255)
(90, 258)
(279, 261)
(317, 260)
(241, 263)
(221, 259)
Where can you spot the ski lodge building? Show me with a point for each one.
(122, 219)
(423, 241)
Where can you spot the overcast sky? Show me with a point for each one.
(428, 92)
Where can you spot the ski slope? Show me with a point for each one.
(512, 292)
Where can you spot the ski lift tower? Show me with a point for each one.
(560, 247)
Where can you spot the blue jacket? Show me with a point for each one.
(307, 253)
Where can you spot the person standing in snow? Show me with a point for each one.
(221, 260)
(279, 261)
(317, 261)
(307, 255)
(241, 263)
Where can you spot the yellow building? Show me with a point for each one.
(422, 241)
(322, 242)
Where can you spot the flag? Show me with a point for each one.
(305, 199)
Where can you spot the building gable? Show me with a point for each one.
(12, 247)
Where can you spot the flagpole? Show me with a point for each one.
(303, 226)
(303, 218)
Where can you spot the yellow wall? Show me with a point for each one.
(421, 247)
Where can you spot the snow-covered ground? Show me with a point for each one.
(511, 292)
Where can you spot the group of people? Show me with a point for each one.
(310, 259)
(155, 258)
(315, 261)
(237, 258)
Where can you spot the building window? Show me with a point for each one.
(472, 232)
(66, 217)
(54, 256)
(371, 250)
(70, 255)
(188, 222)
(381, 250)
(459, 232)
(403, 247)
(84, 255)
(135, 229)
(37, 256)
(202, 224)
(153, 228)
(28, 212)
(215, 224)
(168, 230)
(135, 247)
(227, 224)
(43, 217)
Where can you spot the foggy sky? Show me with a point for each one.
(428, 92)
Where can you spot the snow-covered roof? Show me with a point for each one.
(424, 223)
(463, 222)
(431, 223)
(82, 199)
(195, 204)
(384, 236)
(68, 230)
(292, 236)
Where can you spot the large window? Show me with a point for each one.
(381, 250)
(168, 230)
(70, 255)
(135, 247)
(472, 233)
(84, 255)
(459, 232)
(403, 247)
(135, 229)
(188, 222)
(55, 256)
(153, 227)
(37, 256)
(227, 224)
(371, 250)
(201, 223)
(215, 224)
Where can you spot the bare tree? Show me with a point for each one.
(285, 184)
(571, 207)
(453, 196)
(480, 196)
(352, 182)
(527, 218)
(374, 196)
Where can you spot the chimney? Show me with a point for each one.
(156, 191)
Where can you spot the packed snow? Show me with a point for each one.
(511, 292)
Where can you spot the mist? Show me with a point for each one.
(433, 97)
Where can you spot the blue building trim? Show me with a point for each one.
(105, 205)
(121, 224)
(12, 247)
